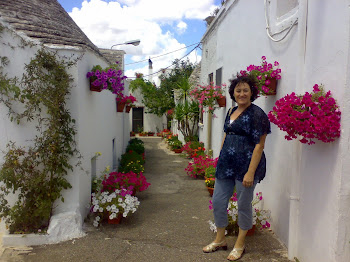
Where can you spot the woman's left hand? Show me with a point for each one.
(248, 179)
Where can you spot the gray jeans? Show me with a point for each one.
(223, 191)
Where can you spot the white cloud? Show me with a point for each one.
(181, 27)
(113, 22)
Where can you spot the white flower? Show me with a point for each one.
(113, 206)
(111, 216)
(97, 218)
(120, 200)
(95, 224)
(125, 214)
(108, 208)
(100, 209)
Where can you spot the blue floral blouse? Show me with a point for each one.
(241, 137)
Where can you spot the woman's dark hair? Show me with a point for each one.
(243, 79)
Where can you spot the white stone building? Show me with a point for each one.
(307, 188)
(99, 127)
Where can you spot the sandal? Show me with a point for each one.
(212, 247)
(237, 253)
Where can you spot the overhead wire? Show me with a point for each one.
(161, 54)
(164, 68)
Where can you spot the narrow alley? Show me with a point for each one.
(171, 224)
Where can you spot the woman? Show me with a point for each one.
(241, 163)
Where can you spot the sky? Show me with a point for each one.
(163, 26)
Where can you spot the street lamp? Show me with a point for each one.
(132, 42)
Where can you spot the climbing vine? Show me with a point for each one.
(36, 174)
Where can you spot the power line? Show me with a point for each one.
(198, 44)
(161, 55)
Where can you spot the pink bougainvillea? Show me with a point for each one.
(312, 116)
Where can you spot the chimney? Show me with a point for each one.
(150, 70)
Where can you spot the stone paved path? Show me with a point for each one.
(170, 225)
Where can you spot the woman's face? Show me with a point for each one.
(242, 94)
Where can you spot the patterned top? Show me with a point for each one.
(241, 137)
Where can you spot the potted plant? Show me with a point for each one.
(129, 102)
(197, 168)
(311, 116)
(110, 78)
(210, 172)
(176, 146)
(131, 181)
(210, 183)
(113, 206)
(194, 149)
(150, 133)
(265, 75)
(261, 217)
(207, 96)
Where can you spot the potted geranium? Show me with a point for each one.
(113, 205)
(261, 217)
(176, 146)
(130, 181)
(207, 96)
(197, 168)
(311, 116)
(265, 75)
(109, 78)
(129, 102)
(194, 149)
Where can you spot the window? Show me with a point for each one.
(210, 78)
(218, 77)
(281, 14)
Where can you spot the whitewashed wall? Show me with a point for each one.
(151, 122)
(315, 226)
(97, 121)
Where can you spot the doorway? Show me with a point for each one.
(137, 119)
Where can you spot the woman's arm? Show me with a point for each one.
(248, 179)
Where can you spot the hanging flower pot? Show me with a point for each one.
(221, 101)
(272, 86)
(95, 88)
(116, 220)
(127, 109)
(120, 106)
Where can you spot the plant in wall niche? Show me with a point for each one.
(265, 76)
(109, 78)
(37, 173)
(312, 116)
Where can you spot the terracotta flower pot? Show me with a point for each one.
(95, 88)
(116, 220)
(221, 101)
(210, 190)
(127, 109)
(177, 150)
(251, 231)
(272, 86)
(120, 106)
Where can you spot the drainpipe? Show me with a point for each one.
(293, 242)
(209, 131)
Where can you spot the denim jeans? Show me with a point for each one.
(223, 191)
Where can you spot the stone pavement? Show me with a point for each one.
(170, 225)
